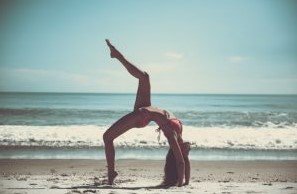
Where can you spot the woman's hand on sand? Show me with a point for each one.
(114, 53)
(186, 183)
(179, 184)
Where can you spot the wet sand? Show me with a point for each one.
(144, 176)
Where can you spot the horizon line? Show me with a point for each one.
(55, 92)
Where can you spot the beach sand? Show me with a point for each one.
(143, 176)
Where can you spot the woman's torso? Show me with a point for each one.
(163, 118)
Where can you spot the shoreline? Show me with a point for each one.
(141, 176)
(139, 153)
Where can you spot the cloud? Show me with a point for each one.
(174, 55)
(77, 78)
(236, 59)
(44, 80)
(160, 68)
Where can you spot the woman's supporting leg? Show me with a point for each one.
(118, 128)
(143, 97)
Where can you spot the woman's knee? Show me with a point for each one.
(107, 138)
(145, 75)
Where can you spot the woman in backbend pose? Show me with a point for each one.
(177, 165)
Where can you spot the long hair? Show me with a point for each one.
(170, 169)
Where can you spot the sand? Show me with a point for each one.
(143, 176)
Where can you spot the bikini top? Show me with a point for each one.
(174, 123)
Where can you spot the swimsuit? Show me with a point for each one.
(172, 122)
(176, 125)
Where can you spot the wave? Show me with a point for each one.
(88, 136)
(57, 117)
(53, 116)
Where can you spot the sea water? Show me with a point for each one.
(219, 127)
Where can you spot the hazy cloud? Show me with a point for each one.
(50, 74)
(174, 55)
(236, 59)
(160, 68)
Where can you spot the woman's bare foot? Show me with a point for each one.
(111, 176)
(114, 53)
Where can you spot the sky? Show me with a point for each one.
(193, 46)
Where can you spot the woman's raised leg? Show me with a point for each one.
(121, 126)
(143, 97)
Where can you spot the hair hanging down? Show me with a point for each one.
(170, 169)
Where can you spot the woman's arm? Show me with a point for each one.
(187, 170)
(186, 149)
(171, 136)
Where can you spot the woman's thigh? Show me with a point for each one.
(122, 125)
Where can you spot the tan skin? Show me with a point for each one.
(134, 119)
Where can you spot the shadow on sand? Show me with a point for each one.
(95, 186)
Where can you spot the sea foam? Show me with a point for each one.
(75, 136)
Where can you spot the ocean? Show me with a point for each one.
(219, 127)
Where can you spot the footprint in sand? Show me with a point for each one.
(89, 191)
(112, 192)
(54, 187)
(52, 179)
(73, 191)
(269, 184)
(21, 178)
(289, 188)
(224, 181)
(53, 171)
(133, 169)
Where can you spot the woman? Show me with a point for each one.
(141, 116)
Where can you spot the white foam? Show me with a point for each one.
(204, 137)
